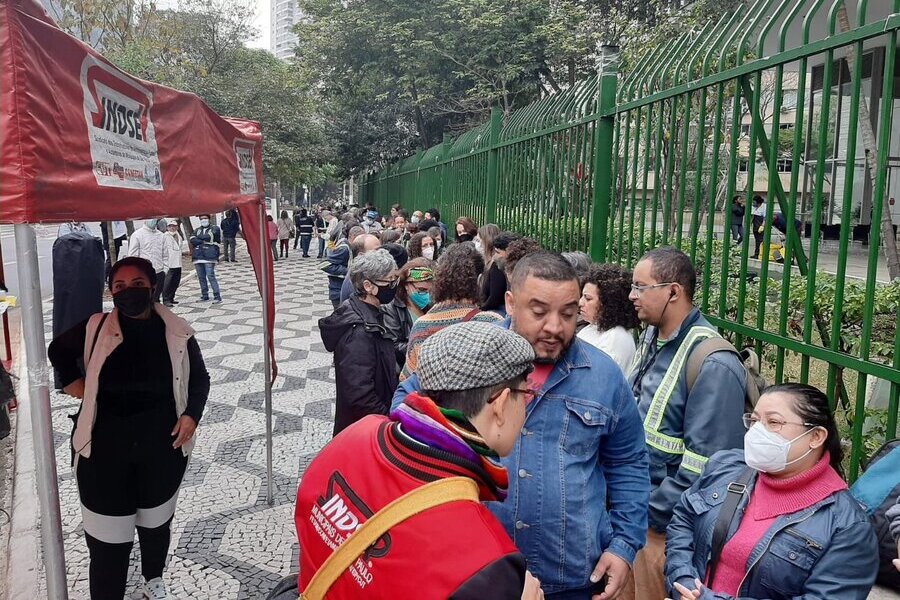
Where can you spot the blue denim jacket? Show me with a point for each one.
(579, 479)
(826, 551)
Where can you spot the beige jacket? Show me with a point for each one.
(178, 332)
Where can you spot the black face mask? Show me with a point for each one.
(464, 238)
(132, 301)
(386, 293)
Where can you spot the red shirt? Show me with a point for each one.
(454, 550)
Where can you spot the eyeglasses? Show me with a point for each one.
(529, 394)
(640, 289)
(773, 425)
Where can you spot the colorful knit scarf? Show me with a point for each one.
(449, 430)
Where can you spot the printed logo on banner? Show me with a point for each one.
(120, 130)
(246, 152)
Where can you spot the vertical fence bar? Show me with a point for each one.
(603, 142)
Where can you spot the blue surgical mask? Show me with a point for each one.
(151, 223)
(421, 299)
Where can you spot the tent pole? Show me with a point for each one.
(265, 248)
(41, 422)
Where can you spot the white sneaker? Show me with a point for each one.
(155, 589)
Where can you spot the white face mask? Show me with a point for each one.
(204, 222)
(428, 252)
(767, 451)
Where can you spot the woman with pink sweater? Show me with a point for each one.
(776, 520)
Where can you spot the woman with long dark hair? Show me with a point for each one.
(789, 526)
(466, 229)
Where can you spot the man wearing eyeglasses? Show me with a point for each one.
(683, 426)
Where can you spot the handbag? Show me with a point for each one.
(736, 491)
(431, 495)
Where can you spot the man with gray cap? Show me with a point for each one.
(468, 414)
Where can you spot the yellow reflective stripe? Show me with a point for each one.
(663, 442)
(657, 409)
(693, 462)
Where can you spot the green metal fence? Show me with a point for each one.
(797, 101)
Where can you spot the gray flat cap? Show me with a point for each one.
(472, 355)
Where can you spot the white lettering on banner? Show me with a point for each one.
(330, 520)
(245, 150)
(120, 130)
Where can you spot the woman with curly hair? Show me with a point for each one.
(421, 245)
(455, 297)
(605, 306)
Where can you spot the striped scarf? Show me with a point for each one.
(449, 430)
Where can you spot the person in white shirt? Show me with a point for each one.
(611, 316)
(176, 246)
(150, 243)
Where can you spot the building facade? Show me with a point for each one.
(285, 13)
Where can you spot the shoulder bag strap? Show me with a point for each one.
(96, 336)
(701, 352)
(428, 496)
(736, 491)
(471, 315)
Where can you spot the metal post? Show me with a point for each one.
(603, 144)
(41, 421)
(265, 248)
(492, 170)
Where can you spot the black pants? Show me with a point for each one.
(158, 288)
(130, 480)
(173, 280)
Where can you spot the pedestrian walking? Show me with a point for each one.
(305, 225)
(577, 505)
(454, 297)
(321, 230)
(143, 390)
(758, 222)
(454, 432)
(231, 227)
(272, 232)
(365, 369)
(149, 243)
(176, 246)
(684, 425)
(285, 232)
(610, 315)
(737, 219)
(206, 245)
(415, 281)
(775, 520)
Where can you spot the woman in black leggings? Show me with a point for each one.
(143, 385)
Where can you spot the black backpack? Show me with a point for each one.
(878, 490)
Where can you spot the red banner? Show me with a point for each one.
(82, 140)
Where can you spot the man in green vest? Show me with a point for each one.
(683, 426)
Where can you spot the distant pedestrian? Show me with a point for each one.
(206, 243)
(610, 315)
(272, 232)
(231, 227)
(321, 230)
(337, 263)
(364, 364)
(176, 246)
(305, 226)
(149, 243)
(142, 394)
(285, 233)
(737, 219)
(758, 223)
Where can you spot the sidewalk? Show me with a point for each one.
(227, 542)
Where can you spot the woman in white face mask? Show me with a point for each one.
(775, 520)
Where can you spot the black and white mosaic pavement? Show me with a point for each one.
(227, 542)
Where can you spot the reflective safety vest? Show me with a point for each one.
(655, 415)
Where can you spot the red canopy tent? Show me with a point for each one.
(82, 140)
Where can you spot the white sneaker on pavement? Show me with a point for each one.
(155, 589)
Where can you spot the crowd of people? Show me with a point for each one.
(510, 422)
(644, 461)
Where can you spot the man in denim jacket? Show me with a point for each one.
(579, 484)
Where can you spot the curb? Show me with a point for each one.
(23, 570)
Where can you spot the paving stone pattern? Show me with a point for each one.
(227, 543)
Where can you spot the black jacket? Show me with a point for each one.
(493, 289)
(398, 322)
(365, 367)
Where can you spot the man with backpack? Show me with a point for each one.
(690, 410)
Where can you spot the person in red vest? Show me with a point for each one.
(470, 413)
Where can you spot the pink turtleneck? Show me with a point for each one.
(770, 499)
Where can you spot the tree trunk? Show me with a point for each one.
(888, 238)
(420, 119)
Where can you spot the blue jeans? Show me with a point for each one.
(321, 248)
(204, 271)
